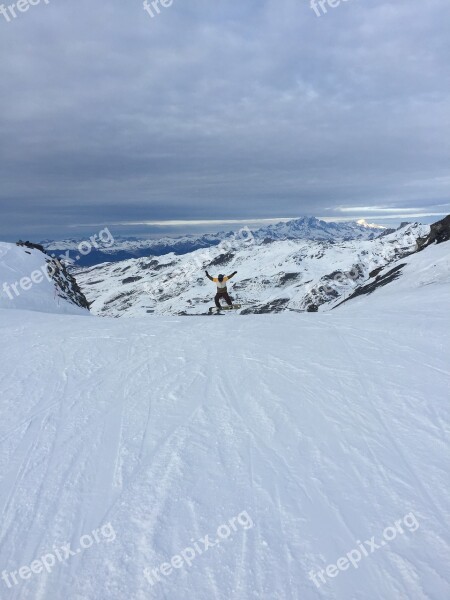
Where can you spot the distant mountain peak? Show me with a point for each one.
(312, 228)
(364, 223)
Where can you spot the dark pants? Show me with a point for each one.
(223, 295)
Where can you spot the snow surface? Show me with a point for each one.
(324, 429)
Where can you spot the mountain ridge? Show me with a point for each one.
(310, 228)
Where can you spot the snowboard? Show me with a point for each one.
(214, 310)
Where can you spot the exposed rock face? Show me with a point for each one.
(439, 232)
(289, 277)
(375, 272)
(67, 284)
(274, 306)
(222, 259)
(32, 246)
(312, 308)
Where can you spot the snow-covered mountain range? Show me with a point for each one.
(274, 274)
(306, 228)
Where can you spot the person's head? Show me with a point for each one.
(220, 277)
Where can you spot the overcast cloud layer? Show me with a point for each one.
(222, 110)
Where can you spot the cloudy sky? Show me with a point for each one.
(215, 110)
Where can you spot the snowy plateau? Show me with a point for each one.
(279, 452)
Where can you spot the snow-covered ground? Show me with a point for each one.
(294, 441)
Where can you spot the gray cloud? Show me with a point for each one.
(221, 111)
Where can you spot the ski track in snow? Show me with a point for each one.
(324, 428)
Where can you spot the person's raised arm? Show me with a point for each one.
(208, 276)
(232, 275)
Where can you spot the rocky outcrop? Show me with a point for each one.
(66, 283)
(274, 306)
(439, 232)
(31, 246)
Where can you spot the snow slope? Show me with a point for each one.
(318, 431)
(414, 279)
(50, 288)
